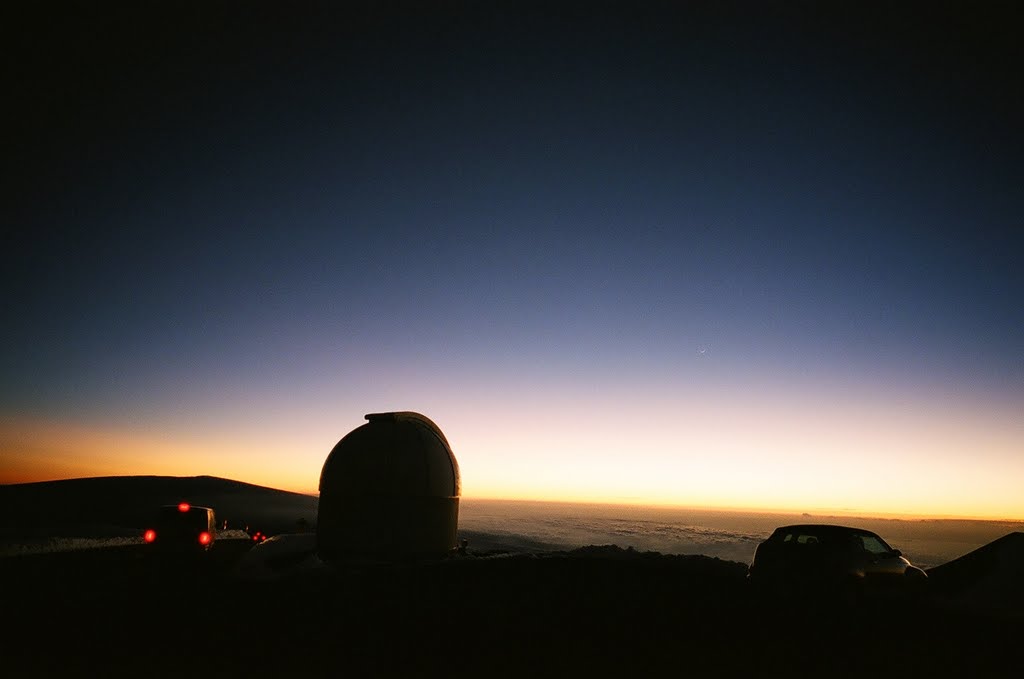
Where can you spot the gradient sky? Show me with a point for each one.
(721, 256)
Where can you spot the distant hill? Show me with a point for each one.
(114, 505)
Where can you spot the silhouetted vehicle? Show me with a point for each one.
(183, 527)
(823, 559)
(257, 536)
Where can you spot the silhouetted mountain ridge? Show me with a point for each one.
(100, 506)
(989, 577)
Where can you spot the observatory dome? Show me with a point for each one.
(389, 490)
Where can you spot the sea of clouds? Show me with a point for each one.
(733, 536)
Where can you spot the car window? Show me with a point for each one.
(874, 545)
(800, 538)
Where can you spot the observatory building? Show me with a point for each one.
(389, 491)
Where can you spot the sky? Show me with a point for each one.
(739, 255)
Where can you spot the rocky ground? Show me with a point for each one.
(598, 611)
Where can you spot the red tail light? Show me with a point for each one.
(149, 535)
(184, 507)
(205, 538)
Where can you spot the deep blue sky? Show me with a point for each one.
(241, 200)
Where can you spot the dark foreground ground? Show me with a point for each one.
(594, 612)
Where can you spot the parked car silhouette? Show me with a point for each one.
(831, 559)
(182, 527)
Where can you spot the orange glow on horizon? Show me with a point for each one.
(35, 451)
(909, 458)
(824, 511)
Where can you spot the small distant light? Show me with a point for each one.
(255, 538)
(184, 507)
(204, 538)
(149, 535)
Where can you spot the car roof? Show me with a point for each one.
(824, 528)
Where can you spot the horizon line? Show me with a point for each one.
(819, 512)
